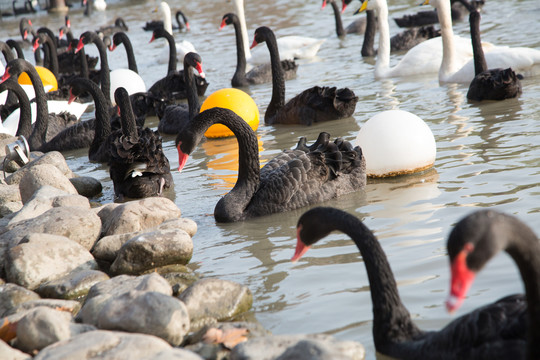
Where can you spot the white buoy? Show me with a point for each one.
(128, 79)
(396, 142)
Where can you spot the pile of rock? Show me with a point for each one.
(81, 281)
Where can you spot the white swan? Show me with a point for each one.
(290, 47)
(100, 5)
(423, 59)
(183, 47)
(453, 69)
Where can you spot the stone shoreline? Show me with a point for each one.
(79, 281)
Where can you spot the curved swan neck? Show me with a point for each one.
(239, 11)
(191, 91)
(6, 51)
(38, 136)
(383, 56)
(102, 124)
(447, 35)
(25, 117)
(15, 45)
(479, 59)
(172, 52)
(132, 63)
(105, 77)
(166, 13)
(129, 126)
(52, 53)
(278, 77)
(368, 46)
(337, 15)
(239, 77)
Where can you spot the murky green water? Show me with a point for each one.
(488, 155)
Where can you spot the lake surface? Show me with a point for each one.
(488, 156)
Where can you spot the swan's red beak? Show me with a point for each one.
(223, 24)
(187, 26)
(71, 97)
(25, 35)
(68, 23)
(80, 45)
(301, 248)
(461, 279)
(323, 4)
(30, 22)
(182, 158)
(5, 76)
(152, 39)
(343, 6)
(112, 47)
(61, 34)
(35, 46)
(253, 44)
(200, 70)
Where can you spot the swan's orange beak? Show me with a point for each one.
(80, 45)
(301, 248)
(182, 158)
(223, 24)
(461, 279)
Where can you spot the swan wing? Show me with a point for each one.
(12, 121)
(59, 106)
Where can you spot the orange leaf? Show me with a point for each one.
(8, 331)
(229, 338)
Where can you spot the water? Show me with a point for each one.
(487, 156)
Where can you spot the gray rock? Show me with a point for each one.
(87, 186)
(42, 327)
(298, 347)
(146, 312)
(209, 300)
(102, 344)
(21, 310)
(9, 193)
(78, 224)
(40, 175)
(107, 247)
(124, 283)
(71, 286)
(42, 257)
(45, 198)
(92, 307)
(10, 208)
(180, 277)
(153, 249)
(175, 354)
(138, 215)
(12, 295)
(7, 352)
(53, 158)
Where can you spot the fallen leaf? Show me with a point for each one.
(229, 338)
(8, 330)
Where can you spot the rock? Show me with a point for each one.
(104, 345)
(42, 257)
(87, 186)
(66, 305)
(40, 175)
(107, 247)
(146, 312)
(10, 199)
(72, 285)
(180, 277)
(138, 215)
(47, 197)
(153, 249)
(53, 158)
(175, 354)
(7, 352)
(209, 300)
(41, 327)
(297, 347)
(76, 223)
(10, 208)
(12, 295)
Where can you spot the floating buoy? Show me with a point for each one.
(129, 80)
(47, 77)
(236, 100)
(396, 142)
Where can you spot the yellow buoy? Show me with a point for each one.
(236, 100)
(47, 77)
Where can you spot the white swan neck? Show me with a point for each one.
(382, 64)
(167, 22)
(447, 34)
(239, 10)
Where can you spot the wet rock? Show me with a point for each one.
(107, 247)
(45, 198)
(149, 312)
(19, 311)
(138, 215)
(12, 295)
(53, 158)
(7, 352)
(71, 286)
(108, 344)
(209, 300)
(297, 347)
(87, 186)
(40, 175)
(76, 223)
(175, 354)
(180, 277)
(153, 249)
(42, 257)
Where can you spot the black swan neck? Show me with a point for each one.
(52, 53)
(124, 39)
(239, 78)
(6, 51)
(15, 45)
(25, 117)
(172, 52)
(129, 126)
(339, 23)
(278, 77)
(191, 91)
(368, 47)
(480, 64)
(105, 77)
(102, 124)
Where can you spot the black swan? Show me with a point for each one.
(104, 73)
(47, 124)
(472, 243)
(312, 105)
(158, 24)
(68, 61)
(26, 29)
(15, 45)
(119, 25)
(173, 86)
(259, 74)
(356, 27)
(138, 166)
(459, 9)
(489, 84)
(24, 120)
(485, 333)
(175, 117)
(122, 38)
(294, 178)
